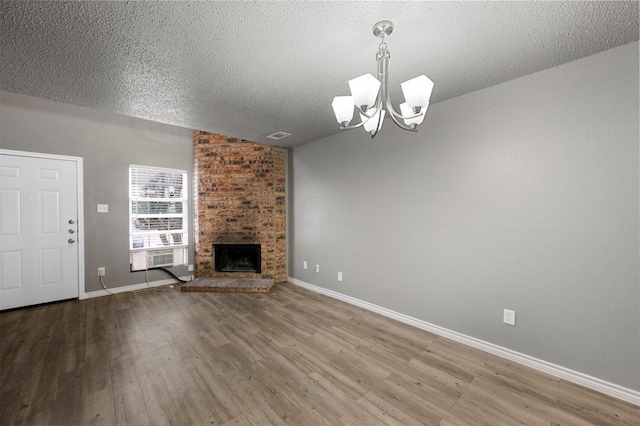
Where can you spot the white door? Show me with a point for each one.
(39, 260)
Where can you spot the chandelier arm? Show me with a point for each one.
(378, 127)
(375, 108)
(355, 126)
(395, 117)
(398, 115)
(402, 125)
(392, 110)
(380, 101)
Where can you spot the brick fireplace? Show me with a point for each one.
(239, 193)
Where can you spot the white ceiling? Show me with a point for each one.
(249, 69)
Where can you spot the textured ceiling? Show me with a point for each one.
(249, 69)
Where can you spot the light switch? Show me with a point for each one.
(103, 208)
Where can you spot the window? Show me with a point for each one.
(158, 208)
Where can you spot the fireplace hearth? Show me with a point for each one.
(241, 258)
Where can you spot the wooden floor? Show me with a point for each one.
(290, 356)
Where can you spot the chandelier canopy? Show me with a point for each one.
(370, 96)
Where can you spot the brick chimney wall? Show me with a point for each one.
(239, 193)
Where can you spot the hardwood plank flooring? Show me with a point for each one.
(288, 357)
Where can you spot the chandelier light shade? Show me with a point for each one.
(343, 108)
(417, 91)
(375, 123)
(369, 95)
(407, 111)
(364, 90)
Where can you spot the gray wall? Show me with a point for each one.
(108, 143)
(521, 196)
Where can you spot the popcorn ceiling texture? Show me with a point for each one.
(239, 191)
(249, 69)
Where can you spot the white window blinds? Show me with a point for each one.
(158, 207)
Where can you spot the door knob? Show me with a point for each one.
(71, 241)
(71, 221)
(71, 231)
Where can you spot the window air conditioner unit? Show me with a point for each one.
(148, 259)
(157, 258)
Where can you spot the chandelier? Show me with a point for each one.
(370, 96)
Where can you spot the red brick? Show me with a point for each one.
(239, 191)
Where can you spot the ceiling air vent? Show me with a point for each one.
(279, 135)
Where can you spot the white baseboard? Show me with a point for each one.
(594, 383)
(133, 287)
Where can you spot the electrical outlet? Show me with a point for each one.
(304, 264)
(190, 268)
(103, 208)
(317, 268)
(509, 317)
(339, 276)
(102, 271)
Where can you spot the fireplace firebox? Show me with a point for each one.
(243, 258)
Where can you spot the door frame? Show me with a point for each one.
(80, 197)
